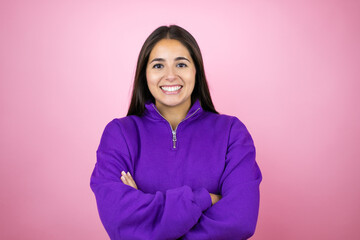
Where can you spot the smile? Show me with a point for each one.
(171, 90)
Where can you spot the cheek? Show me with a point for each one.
(190, 76)
(150, 79)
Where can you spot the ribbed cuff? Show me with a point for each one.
(202, 198)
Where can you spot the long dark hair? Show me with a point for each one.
(141, 93)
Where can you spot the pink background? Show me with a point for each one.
(288, 69)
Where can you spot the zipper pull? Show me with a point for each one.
(174, 138)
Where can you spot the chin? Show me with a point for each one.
(172, 103)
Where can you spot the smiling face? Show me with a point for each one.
(170, 74)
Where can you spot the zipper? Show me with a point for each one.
(174, 131)
(174, 138)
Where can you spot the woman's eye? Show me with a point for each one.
(182, 65)
(157, 66)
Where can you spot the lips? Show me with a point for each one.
(171, 85)
(171, 89)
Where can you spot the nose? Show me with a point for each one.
(170, 74)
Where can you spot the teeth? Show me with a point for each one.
(171, 89)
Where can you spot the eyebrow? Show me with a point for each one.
(176, 59)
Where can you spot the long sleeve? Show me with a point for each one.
(129, 213)
(235, 215)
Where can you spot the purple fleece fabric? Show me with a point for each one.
(175, 170)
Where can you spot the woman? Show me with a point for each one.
(174, 168)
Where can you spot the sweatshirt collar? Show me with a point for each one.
(152, 111)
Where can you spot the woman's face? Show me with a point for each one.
(170, 74)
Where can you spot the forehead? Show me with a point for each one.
(169, 47)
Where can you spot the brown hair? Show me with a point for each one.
(141, 92)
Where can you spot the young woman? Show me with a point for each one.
(174, 168)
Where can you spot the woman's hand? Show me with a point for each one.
(128, 180)
(214, 198)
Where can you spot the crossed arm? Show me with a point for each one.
(127, 179)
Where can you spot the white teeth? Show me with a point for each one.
(171, 89)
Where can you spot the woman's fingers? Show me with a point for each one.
(215, 198)
(131, 180)
(128, 180)
(124, 178)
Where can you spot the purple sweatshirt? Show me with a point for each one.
(175, 170)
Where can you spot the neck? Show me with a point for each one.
(174, 115)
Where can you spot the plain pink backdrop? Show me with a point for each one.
(288, 69)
